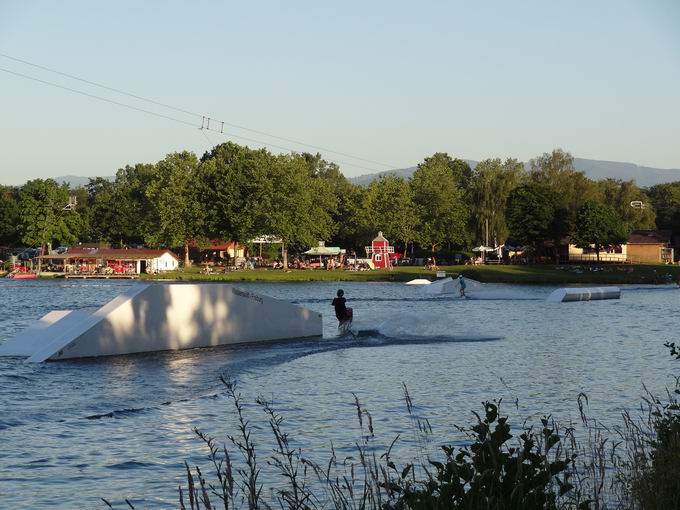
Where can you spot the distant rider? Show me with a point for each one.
(461, 284)
(342, 313)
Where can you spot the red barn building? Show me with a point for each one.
(380, 251)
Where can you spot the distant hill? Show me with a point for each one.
(644, 176)
(75, 181)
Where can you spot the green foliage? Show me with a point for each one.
(533, 214)
(232, 179)
(294, 206)
(556, 170)
(347, 214)
(178, 215)
(42, 216)
(389, 207)
(490, 473)
(237, 193)
(123, 213)
(248, 193)
(598, 225)
(619, 194)
(105, 219)
(650, 473)
(441, 208)
(491, 185)
(9, 215)
(665, 199)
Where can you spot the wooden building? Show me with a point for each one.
(650, 246)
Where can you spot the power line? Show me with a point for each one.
(167, 117)
(73, 77)
(100, 98)
(188, 112)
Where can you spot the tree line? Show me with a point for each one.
(237, 193)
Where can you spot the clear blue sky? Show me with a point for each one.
(388, 81)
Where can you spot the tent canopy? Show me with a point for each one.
(483, 249)
(319, 251)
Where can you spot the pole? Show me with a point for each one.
(486, 240)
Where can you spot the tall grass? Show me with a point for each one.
(635, 465)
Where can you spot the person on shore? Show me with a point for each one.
(461, 285)
(342, 313)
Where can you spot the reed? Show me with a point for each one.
(635, 465)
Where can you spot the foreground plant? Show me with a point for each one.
(493, 472)
(635, 466)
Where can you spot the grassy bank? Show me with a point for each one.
(526, 274)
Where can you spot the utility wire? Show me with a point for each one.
(73, 77)
(168, 117)
(97, 97)
(188, 112)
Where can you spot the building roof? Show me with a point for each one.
(323, 250)
(649, 237)
(380, 238)
(216, 245)
(111, 254)
(224, 245)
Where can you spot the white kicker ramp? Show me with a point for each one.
(583, 294)
(444, 286)
(158, 317)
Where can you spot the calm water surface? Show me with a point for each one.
(73, 432)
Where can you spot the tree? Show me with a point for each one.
(532, 214)
(179, 217)
(43, 216)
(232, 180)
(490, 187)
(462, 172)
(598, 225)
(107, 224)
(440, 206)
(131, 203)
(619, 194)
(666, 201)
(9, 215)
(294, 206)
(556, 170)
(389, 207)
(347, 214)
(83, 207)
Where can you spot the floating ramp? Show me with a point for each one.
(583, 294)
(444, 286)
(159, 317)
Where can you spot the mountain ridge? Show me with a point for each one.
(595, 169)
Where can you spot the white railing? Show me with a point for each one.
(592, 257)
(379, 249)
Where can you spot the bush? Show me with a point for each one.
(492, 474)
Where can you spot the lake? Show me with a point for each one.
(76, 431)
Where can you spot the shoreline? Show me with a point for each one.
(651, 274)
(526, 274)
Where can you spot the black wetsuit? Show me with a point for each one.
(340, 308)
